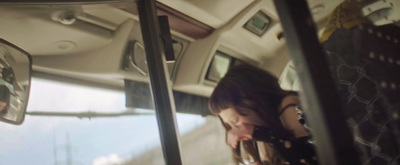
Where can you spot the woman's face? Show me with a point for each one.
(239, 127)
(232, 118)
(2, 106)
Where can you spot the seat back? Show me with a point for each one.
(365, 62)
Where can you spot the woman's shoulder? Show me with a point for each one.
(289, 101)
(290, 116)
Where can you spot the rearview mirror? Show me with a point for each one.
(15, 79)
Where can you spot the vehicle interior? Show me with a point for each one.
(100, 44)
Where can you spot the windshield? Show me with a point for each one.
(69, 124)
(70, 140)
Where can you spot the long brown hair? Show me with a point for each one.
(246, 87)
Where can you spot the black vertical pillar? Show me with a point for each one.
(335, 144)
(160, 87)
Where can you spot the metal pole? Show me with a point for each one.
(160, 86)
(320, 98)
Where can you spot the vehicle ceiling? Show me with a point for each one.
(91, 47)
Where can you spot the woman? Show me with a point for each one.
(252, 106)
(4, 100)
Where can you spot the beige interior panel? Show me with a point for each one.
(214, 13)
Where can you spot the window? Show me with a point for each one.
(63, 140)
(220, 65)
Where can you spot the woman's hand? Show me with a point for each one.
(238, 133)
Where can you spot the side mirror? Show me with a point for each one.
(15, 80)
